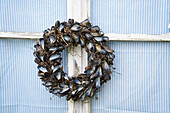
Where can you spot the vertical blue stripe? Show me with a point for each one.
(131, 16)
(20, 87)
(31, 15)
(143, 82)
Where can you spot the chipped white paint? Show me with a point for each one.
(138, 37)
(79, 10)
(112, 36)
(20, 35)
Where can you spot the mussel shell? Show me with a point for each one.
(98, 82)
(61, 27)
(64, 90)
(55, 68)
(69, 96)
(73, 92)
(43, 69)
(111, 55)
(66, 77)
(106, 73)
(40, 74)
(52, 28)
(35, 54)
(89, 91)
(82, 42)
(90, 57)
(99, 38)
(67, 38)
(47, 84)
(75, 37)
(80, 88)
(52, 39)
(71, 21)
(89, 72)
(83, 97)
(55, 56)
(58, 75)
(85, 30)
(86, 23)
(95, 34)
(57, 24)
(90, 47)
(36, 47)
(60, 48)
(42, 57)
(76, 80)
(55, 91)
(54, 48)
(42, 42)
(76, 27)
(99, 72)
(95, 29)
(106, 66)
(108, 49)
(63, 86)
(88, 36)
(106, 38)
(98, 47)
(103, 52)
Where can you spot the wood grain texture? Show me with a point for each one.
(78, 10)
(112, 36)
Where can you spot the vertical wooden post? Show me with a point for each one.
(78, 10)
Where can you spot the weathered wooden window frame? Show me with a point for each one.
(112, 36)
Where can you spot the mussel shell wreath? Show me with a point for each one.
(48, 56)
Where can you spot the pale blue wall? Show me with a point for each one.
(142, 86)
(131, 16)
(21, 90)
(143, 83)
(31, 15)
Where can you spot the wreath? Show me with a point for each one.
(48, 56)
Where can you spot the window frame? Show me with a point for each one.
(112, 36)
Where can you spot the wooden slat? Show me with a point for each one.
(20, 35)
(112, 36)
(78, 10)
(138, 37)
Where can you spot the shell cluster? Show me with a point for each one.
(48, 56)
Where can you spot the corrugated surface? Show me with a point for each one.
(131, 16)
(143, 83)
(20, 87)
(31, 15)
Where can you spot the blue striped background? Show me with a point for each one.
(131, 16)
(143, 83)
(20, 87)
(31, 15)
(141, 86)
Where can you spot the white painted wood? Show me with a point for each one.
(20, 35)
(138, 37)
(112, 36)
(78, 10)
